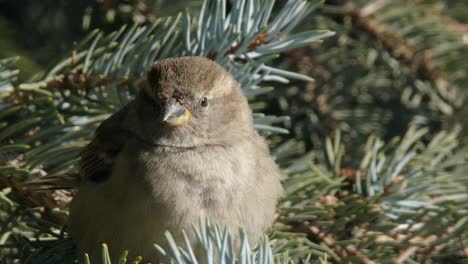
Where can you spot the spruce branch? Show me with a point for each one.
(360, 81)
(382, 200)
(417, 57)
(330, 241)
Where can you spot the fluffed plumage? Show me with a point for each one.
(185, 148)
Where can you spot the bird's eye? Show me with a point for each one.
(204, 102)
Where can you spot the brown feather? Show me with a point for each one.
(97, 158)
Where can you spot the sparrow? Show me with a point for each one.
(184, 149)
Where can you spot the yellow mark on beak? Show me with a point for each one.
(175, 114)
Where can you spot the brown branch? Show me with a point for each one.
(387, 188)
(439, 248)
(50, 201)
(411, 250)
(420, 61)
(75, 82)
(449, 21)
(260, 40)
(344, 252)
(428, 253)
(351, 174)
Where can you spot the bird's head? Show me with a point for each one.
(192, 101)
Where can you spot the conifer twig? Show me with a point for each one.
(330, 241)
(419, 61)
(49, 201)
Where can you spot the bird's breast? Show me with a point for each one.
(199, 181)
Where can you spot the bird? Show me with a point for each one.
(184, 149)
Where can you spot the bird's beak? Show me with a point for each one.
(175, 114)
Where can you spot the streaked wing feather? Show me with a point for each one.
(98, 157)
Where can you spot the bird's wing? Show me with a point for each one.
(98, 157)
